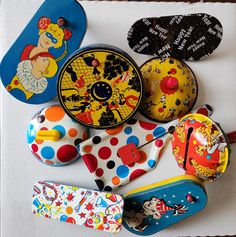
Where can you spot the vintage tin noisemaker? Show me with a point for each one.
(53, 137)
(201, 147)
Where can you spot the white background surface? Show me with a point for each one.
(109, 22)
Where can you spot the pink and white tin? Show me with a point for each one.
(53, 137)
(88, 208)
(120, 155)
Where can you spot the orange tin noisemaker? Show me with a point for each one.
(201, 147)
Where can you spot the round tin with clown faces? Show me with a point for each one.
(170, 89)
(200, 147)
(53, 137)
(100, 87)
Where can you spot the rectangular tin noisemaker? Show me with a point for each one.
(117, 156)
(152, 208)
(88, 208)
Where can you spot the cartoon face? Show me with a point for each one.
(47, 40)
(41, 64)
(150, 208)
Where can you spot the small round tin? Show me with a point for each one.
(100, 86)
(201, 147)
(170, 89)
(53, 137)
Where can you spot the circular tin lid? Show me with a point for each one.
(200, 147)
(100, 87)
(53, 137)
(170, 89)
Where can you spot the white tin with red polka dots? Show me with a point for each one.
(65, 149)
(120, 155)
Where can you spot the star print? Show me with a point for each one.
(82, 215)
(58, 203)
(70, 197)
(113, 210)
(91, 213)
(89, 206)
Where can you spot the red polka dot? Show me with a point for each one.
(71, 220)
(143, 157)
(146, 125)
(114, 141)
(9, 88)
(160, 110)
(67, 153)
(91, 162)
(135, 174)
(104, 152)
(203, 111)
(37, 156)
(49, 162)
(34, 147)
(131, 165)
(159, 143)
(43, 128)
(16, 82)
(173, 71)
(99, 172)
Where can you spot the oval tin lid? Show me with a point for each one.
(170, 89)
(190, 37)
(200, 147)
(100, 86)
(30, 68)
(53, 137)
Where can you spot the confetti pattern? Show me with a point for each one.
(170, 89)
(100, 153)
(200, 147)
(92, 209)
(60, 152)
(155, 207)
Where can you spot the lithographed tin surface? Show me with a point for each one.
(186, 37)
(170, 89)
(87, 208)
(100, 86)
(200, 147)
(152, 208)
(53, 137)
(119, 155)
(30, 68)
